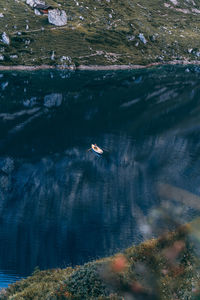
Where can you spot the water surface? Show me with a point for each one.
(62, 205)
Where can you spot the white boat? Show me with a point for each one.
(96, 149)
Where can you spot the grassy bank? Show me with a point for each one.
(163, 268)
(101, 33)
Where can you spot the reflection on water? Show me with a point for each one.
(63, 205)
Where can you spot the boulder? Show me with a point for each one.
(7, 165)
(37, 12)
(5, 38)
(142, 38)
(57, 17)
(53, 100)
(33, 3)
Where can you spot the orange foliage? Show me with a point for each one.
(119, 263)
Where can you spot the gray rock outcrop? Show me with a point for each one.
(57, 17)
(53, 100)
(142, 38)
(5, 38)
(33, 3)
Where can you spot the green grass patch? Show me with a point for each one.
(104, 27)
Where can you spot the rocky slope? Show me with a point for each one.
(100, 32)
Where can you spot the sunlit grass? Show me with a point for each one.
(99, 26)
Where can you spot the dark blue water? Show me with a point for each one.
(62, 205)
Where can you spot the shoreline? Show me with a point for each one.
(97, 67)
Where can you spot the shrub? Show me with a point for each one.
(86, 282)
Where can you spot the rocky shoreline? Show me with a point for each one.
(97, 67)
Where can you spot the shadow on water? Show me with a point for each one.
(63, 205)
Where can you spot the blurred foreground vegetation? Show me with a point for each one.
(163, 268)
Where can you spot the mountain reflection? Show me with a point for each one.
(61, 204)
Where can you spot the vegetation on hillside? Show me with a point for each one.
(164, 268)
(101, 32)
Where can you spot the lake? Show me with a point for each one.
(62, 205)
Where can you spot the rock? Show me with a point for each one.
(53, 55)
(37, 12)
(142, 38)
(1, 15)
(1, 57)
(72, 67)
(30, 102)
(153, 37)
(4, 85)
(27, 42)
(5, 38)
(14, 56)
(175, 2)
(7, 165)
(33, 3)
(30, 2)
(63, 58)
(53, 100)
(130, 38)
(66, 58)
(57, 17)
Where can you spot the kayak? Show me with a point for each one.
(96, 149)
